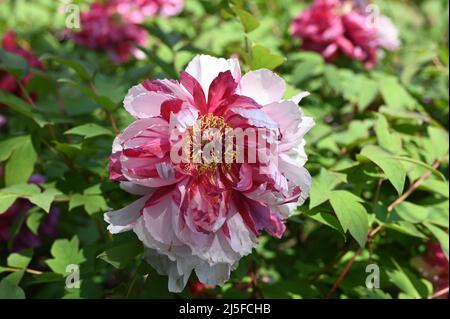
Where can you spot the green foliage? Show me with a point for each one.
(65, 252)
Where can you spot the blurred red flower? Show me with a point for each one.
(333, 27)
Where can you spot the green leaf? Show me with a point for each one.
(394, 95)
(75, 65)
(322, 185)
(249, 22)
(9, 145)
(411, 212)
(65, 253)
(22, 107)
(45, 199)
(94, 204)
(309, 65)
(406, 228)
(91, 199)
(439, 214)
(351, 214)
(9, 195)
(262, 58)
(419, 163)
(390, 141)
(121, 255)
(70, 150)
(89, 130)
(34, 221)
(101, 100)
(21, 163)
(9, 290)
(394, 170)
(13, 63)
(328, 220)
(440, 235)
(407, 282)
(439, 140)
(435, 186)
(368, 91)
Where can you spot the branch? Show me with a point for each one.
(373, 232)
(439, 293)
(28, 270)
(343, 273)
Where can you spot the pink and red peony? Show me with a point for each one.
(113, 26)
(103, 28)
(205, 213)
(137, 10)
(333, 27)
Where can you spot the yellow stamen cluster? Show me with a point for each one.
(207, 129)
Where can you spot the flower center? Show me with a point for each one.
(209, 144)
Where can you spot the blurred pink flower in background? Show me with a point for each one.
(24, 237)
(201, 216)
(103, 27)
(320, 28)
(332, 27)
(138, 10)
(387, 34)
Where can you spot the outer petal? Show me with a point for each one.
(135, 189)
(256, 117)
(164, 266)
(296, 173)
(124, 219)
(142, 103)
(206, 68)
(263, 86)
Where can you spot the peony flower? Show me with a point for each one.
(8, 82)
(138, 10)
(360, 39)
(204, 210)
(332, 27)
(320, 28)
(25, 238)
(103, 27)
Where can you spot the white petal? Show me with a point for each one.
(298, 97)
(213, 275)
(297, 174)
(242, 239)
(164, 266)
(145, 104)
(135, 189)
(256, 117)
(263, 86)
(286, 113)
(205, 68)
(165, 170)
